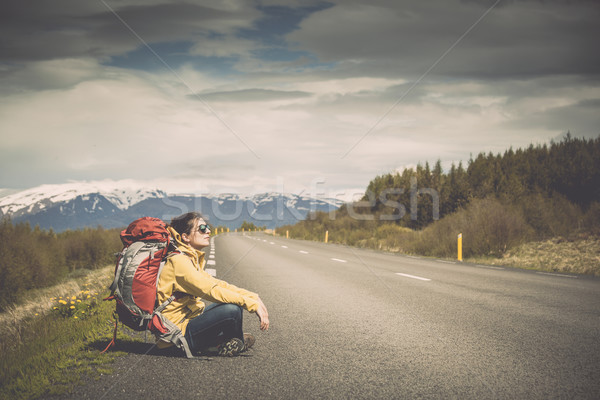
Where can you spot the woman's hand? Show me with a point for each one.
(263, 315)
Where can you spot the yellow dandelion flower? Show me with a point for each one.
(62, 302)
(75, 317)
(37, 314)
(73, 298)
(72, 307)
(88, 296)
(83, 312)
(60, 297)
(79, 301)
(56, 308)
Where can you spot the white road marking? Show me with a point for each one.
(271, 242)
(211, 262)
(284, 247)
(211, 271)
(303, 252)
(413, 277)
(488, 267)
(561, 275)
(211, 256)
(338, 260)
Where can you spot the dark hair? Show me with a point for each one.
(185, 223)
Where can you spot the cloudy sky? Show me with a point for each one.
(251, 96)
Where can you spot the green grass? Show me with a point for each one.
(49, 353)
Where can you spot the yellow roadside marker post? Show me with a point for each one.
(326, 236)
(460, 258)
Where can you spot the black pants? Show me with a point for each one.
(218, 323)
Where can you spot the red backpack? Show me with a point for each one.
(146, 245)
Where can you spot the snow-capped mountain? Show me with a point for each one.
(122, 194)
(115, 204)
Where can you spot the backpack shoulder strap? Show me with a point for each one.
(135, 247)
(113, 286)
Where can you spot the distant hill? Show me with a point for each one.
(80, 205)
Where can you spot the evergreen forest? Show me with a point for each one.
(496, 201)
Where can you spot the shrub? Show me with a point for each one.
(551, 216)
(492, 228)
(591, 219)
(488, 228)
(33, 258)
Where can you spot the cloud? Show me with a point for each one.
(253, 95)
(68, 29)
(519, 39)
(580, 118)
(223, 46)
(48, 74)
(291, 94)
(109, 127)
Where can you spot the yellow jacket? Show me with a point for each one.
(184, 275)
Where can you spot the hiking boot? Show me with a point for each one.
(231, 348)
(249, 341)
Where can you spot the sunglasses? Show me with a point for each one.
(203, 228)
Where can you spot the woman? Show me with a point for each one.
(219, 324)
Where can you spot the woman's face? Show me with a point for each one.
(196, 238)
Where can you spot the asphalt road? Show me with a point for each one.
(349, 323)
